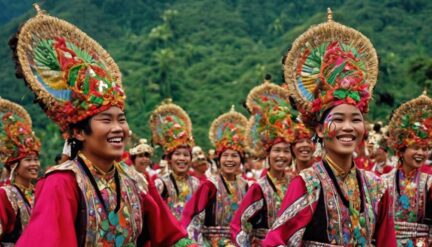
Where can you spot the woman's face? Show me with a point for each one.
(109, 133)
(303, 150)
(28, 167)
(142, 161)
(230, 162)
(181, 160)
(280, 156)
(343, 129)
(415, 156)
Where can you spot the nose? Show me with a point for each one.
(347, 126)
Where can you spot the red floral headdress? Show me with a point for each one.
(328, 65)
(302, 132)
(171, 127)
(72, 76)
(411, 124)
(270, 122)
(228, 132)
(17, 139)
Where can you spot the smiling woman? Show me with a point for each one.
(332, 70)
(208, 214)
(91, 199)
(19, 151)
(411, 186)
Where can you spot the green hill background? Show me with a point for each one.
(208, 54)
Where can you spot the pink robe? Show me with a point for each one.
(55, 215)
(312, 209)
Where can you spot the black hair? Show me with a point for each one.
(77, 145)
(58, 158)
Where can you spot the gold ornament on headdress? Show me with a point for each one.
(411, 124)
(228, 131)
(171, 127)
(69, 72)
(16, 136)
(271, 118)
(330, 64)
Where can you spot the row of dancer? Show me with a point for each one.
(93, 199)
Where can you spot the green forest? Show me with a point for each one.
(206, 55)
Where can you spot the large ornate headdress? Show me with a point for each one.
(328, 65)
(72, 76)
(411, 124)
(271, 121)
(17, 139)
(228, 132)
(171, 127)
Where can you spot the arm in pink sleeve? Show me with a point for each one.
(53, 217)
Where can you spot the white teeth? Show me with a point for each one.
(115, 139)
(346, 139)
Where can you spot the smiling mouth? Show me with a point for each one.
(33, 170)
(305, 151)
(230, 165)
(117, 141)
(419, 159)
(346, 139)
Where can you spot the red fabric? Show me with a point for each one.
(7, 214)
(54, 213)
(385, 234)
(363, 162)
(426, 169)
(280, 235)
(202, 177)
(253, 195)
(384, 229)
(199, 201)
(56, 206)
(386, 169)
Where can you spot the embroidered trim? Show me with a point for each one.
(242, 237)
(296, 238)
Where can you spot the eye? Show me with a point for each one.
(337, 120)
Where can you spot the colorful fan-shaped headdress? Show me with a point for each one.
(411, 124)
(171, 127)
(17, 139)
(270, 122)
(328, 65)
(228, 132)
(72, 76)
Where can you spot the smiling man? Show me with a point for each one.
(93, 199)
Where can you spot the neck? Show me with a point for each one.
(22, 182)
(229, 177)
(276, 174)
(343, 161)
(181, 175)
(104, 164)
(408, 169)
(301, 165)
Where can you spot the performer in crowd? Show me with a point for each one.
(91, 199)
(303, 147)
(172, 130)
(410, 186)
(269, 134)
(140, 155)
(19, 152)
(331, 70)
(208, 214)
(200, 165)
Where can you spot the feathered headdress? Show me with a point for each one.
(330, 64)
(270, 122)
(72, 76)
(228, 132)
(17, 139)
(171, 127)
(411, 124)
